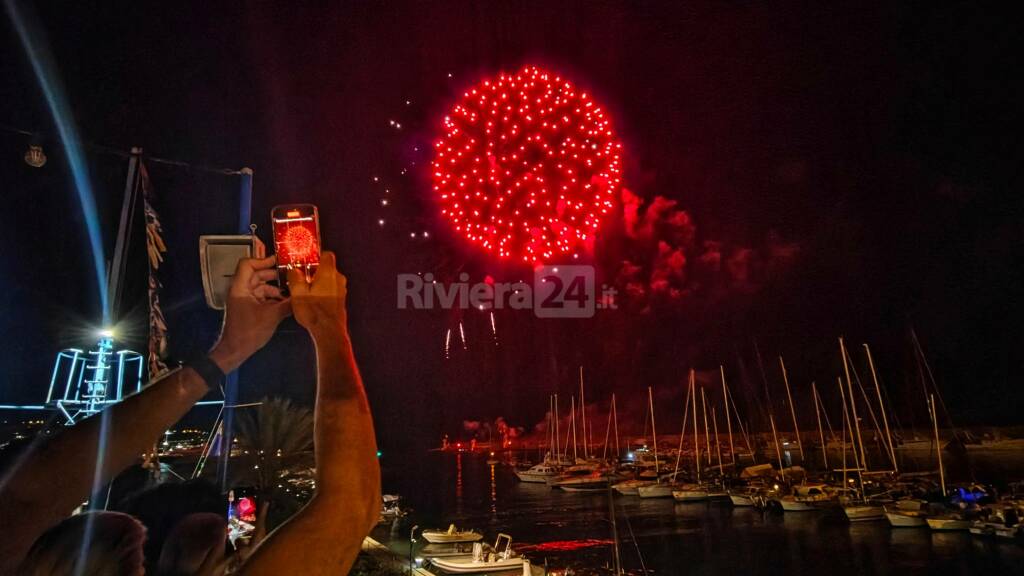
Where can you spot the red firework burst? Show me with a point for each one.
(527, 166)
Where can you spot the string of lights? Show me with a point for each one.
(37, 138)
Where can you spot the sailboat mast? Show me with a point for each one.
(654, 430)
(583, 415)
(848, 427)
(718, 445)
(558, 448)
(938, 446)
(743, 429)
(707, 434)
(853, 408)
(728, 418)
(572, 409)
(607, 436)
(792, 409)
(778, 450)
(682, 433)
(615, 421)
(846, 485)
(821, 431)
(881, 406)
(696, 444)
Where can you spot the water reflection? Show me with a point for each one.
(566, 529)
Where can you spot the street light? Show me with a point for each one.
(412, 541)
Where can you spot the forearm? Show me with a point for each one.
(59, 473)
(325, 537)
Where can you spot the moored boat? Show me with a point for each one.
(631, 487)
(501, 559)
(538, 474)
(948, 523)
(905, 519)
(690, 493)
(451, 536)
(864, 512)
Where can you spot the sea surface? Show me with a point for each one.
(563, 530)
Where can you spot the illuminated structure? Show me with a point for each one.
(84, 383)
(94, 379)
(527, 166)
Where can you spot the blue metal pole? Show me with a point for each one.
(231, 381)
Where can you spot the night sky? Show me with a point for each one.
(860, 153)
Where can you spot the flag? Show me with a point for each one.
(155, 248)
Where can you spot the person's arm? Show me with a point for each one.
(56, 475)
(325, 536)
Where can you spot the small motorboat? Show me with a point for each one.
(501, 558)
(391, 507)
(539, 473)
(451, 536)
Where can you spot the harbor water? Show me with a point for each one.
(563, 530)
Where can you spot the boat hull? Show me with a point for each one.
(690, 495)
(789, 505)
(446, 538)
(740, 500)
(527, 476)
(655, 491)
(948, 524)
(469, 566)
(898, 520)
(865, 513)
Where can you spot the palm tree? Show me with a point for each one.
(276, 441)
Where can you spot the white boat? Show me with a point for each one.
(539, 473)
(658, 490)
(948, 523)
(502, 558)
(690, 493)
(905, 519)
(451, 536)
(864, 512)
(631, 487)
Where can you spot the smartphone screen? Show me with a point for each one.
(297, 237)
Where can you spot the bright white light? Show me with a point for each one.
(106, 333)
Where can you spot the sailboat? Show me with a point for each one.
(859, 510)
(692, 492)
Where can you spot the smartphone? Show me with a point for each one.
(296, 239)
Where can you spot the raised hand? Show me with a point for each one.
(254, 310)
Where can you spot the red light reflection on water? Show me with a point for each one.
(564, 545)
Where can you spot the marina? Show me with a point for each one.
(563, 530)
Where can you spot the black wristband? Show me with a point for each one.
(207, 370)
